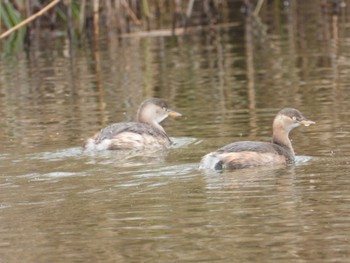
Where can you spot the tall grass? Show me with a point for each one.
(10, 15)
(78, 17)
(85, 19)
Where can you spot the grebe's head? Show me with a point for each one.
(289, 118)
(154, 111)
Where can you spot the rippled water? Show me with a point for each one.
(61, 204)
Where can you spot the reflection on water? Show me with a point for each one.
(59, 203)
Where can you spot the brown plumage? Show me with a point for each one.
(145, 133)
(249, 153)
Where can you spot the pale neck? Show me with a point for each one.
(280, 137)
(157, 125)
(145, 119)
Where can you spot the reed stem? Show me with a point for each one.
(96, 18)
(29, 19)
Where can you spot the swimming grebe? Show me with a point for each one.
(145, 133)
(249, 153)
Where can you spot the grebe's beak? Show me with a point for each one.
(306, 122)
(173, 114)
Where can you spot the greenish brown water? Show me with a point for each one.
(59, 204)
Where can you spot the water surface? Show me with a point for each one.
(61, 204)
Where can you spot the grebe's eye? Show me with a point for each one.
(294, 118)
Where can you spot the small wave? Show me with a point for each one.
(302, 159)
(39, 176)
(57, 155)
(179, 142)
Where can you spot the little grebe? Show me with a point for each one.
(145, 133)
(249, 153)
